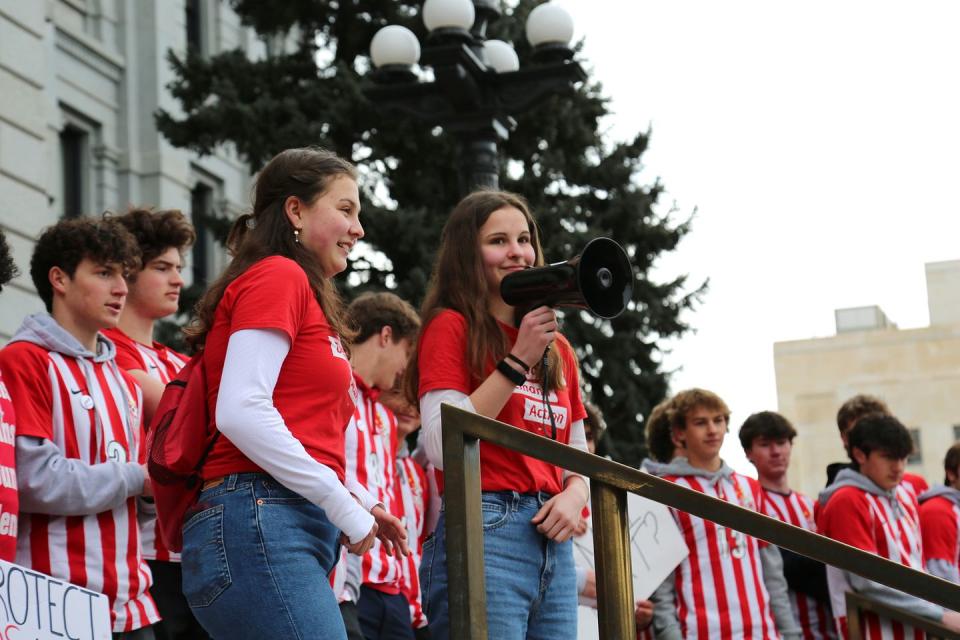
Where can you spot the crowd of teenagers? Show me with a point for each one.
(315, 519)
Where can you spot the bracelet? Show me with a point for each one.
(510, 373)
(520, 362)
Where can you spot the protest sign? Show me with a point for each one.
(35, 606)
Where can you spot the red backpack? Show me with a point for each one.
(177, 446)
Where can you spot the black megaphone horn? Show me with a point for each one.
(598, 279)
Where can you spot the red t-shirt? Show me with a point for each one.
(940, 529)
(158, 361)
(9, 498)
(445, 339)
(315, 393)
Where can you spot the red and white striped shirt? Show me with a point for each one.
(9, 497)
(720, 591)
(869, 522)
(413, 494)
(92, 412)
(815, 618)
(162, 364)
(371, 445)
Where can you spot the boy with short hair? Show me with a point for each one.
(849, 413)
(767, 440)
(386, 328)
(940, 521)
(869, 507)
(731, 585)
(80, 441)
(154, 293)
(9, 500)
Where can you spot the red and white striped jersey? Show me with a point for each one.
(371, 446)
(815, 618)
(92, 412)
(162, 364)
(9, 497)
(719, 587)
(870, 522)
(413, 494)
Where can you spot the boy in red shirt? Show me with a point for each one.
(767, 440)
(9, 501)
(386, 327)
(80, 441)
(154, 291)
(870, 508)
(940, 521)
(731, 586)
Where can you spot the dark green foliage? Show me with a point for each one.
(579, 185)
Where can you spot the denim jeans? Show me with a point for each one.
(531, 583)
(256, 557)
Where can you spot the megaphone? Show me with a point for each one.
(599, 279)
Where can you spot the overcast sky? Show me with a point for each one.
(818, 142)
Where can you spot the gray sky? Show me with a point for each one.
(819, 143)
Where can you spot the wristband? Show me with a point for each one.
(510, 373)
(520, 362)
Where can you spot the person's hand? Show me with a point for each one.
(392, 533)
(644, 614)
(581, 527)
(361, 547)
(558, 517)
(537, 330)
(590, 586)
(147, 485)
(951, 619)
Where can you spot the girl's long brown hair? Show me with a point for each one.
(305, 173)
(459, 283)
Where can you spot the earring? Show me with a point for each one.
(296, 235)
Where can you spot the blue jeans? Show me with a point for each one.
(531, 583)
(256, 557)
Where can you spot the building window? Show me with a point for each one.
(917, 456)
(956, 432)
(201, 210)
(194, 16)
(74, 143)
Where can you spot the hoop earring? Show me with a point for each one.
(296, 235)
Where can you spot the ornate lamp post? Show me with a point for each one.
(477, 84)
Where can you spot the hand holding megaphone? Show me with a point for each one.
(599, 279)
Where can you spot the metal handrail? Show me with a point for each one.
(610, 482)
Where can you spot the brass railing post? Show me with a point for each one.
(611, 554)
(464, 530)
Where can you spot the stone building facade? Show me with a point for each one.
(80, 81)
(916, 371)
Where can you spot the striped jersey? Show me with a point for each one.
(371, 455)
(162, 364)
(91, 410)
(815, 618)
(720, 593)
(9, 497)
(874, 523)
(413, 494)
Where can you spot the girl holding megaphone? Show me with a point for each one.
(473, 353)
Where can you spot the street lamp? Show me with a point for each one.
(478, 84)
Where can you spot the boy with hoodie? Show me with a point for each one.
(9, 500)
(767, 440)
(154, 293)
(731, 585)
(79, 440)
(869, 507)
(940, 521)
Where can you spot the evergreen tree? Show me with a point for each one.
(579, 184)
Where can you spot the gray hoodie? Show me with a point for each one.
(936, 566)
(665, 622)
(879, 592)
(49, 482)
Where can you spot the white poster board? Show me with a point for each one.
(35, 606)
(656, 548)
